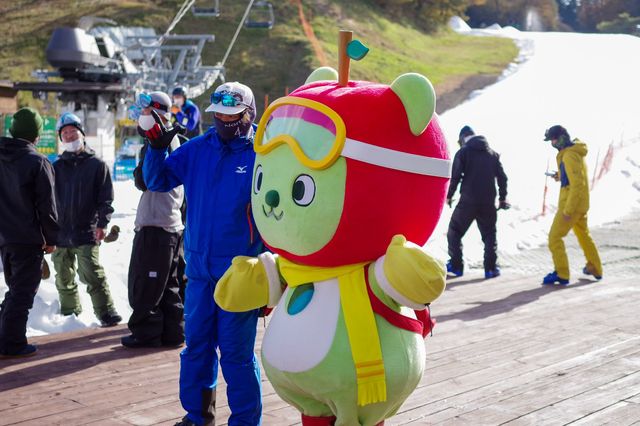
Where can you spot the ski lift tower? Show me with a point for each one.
(102, 67)
(92, 72)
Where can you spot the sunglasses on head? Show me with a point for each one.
(144, 100)
(227, 99)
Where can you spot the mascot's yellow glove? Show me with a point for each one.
(249, 283)
(409, 275)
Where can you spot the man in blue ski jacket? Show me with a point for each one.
(186, 112)
(216, 171)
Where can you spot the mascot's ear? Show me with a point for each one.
(419, 100)
(322, 73)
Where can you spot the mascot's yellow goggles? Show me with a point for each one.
(314, 132)
(317, 136)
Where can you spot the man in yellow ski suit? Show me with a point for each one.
(573, 205)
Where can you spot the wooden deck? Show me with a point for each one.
(504, 351)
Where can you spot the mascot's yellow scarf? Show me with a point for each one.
(358, 317)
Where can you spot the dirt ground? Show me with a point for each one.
(456, 91)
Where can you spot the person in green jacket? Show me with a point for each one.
(573, 205)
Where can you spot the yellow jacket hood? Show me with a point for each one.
(578, 147)
(574, 192)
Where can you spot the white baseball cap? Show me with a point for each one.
(231, 98)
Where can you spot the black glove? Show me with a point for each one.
(159, 136)
(182, 130)
(504, 205)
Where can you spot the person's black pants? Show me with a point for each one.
(22, 273)
(154, 289)
(182, 270)
(463, 216)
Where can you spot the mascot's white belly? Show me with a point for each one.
(298, 342)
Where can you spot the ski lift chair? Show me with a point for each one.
(207, 11)
(260, 16)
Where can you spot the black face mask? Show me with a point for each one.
(232, 129)
(562, 142)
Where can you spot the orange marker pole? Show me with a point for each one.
(544, 194)
(343, 58)
(595, 170)
(544, 197)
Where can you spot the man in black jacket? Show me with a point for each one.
(28, 227)
(478, 167)
(84, 194)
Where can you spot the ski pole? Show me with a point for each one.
(544, 194)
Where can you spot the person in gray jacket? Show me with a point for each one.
(154, 287)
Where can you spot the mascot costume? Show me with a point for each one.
(349, 181)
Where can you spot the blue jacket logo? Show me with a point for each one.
(241, 169)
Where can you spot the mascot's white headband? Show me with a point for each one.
(323, 116)
(396, 160)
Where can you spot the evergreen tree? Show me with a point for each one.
(517, 13)
(427, 14)
(593, 12)
(568, 11)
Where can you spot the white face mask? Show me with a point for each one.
(146, 122)
(73, 146)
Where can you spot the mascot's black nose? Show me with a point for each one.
(272, 198)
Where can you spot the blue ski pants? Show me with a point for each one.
(209, 328)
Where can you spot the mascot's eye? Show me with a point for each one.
(304, 189)
(257, 179)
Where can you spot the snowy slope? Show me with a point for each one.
(586, 82)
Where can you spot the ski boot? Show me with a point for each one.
(553, 278)
(110, 319)
(455, 272)
(590, 270)
(492, 273)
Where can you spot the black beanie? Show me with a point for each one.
(27, 124)
(466, 131)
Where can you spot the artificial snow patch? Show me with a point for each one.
(458, 24)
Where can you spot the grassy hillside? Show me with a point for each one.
(270, 61)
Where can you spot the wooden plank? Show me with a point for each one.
(461, 391)
(618, 414)
(508, 377)
(25, 413)
(107, 422)
(132, 412)
(581, 400)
